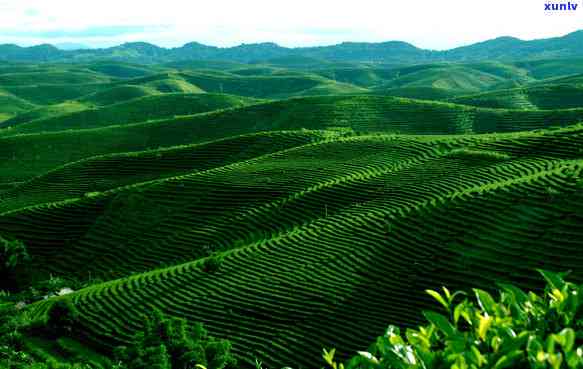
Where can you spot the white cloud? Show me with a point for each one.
(426, 23)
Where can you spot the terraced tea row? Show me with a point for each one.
(30, 155)
(549, 96)
(103, 173)
(211, 196)
(312, 283)
(192, 215)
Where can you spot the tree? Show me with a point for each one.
(63, 317)
(171, 343)
(13, 258)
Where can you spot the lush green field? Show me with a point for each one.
(289, 204)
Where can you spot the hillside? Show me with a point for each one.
(547, 96)
(132, 111)
(359, 113)
(456, 78)
(289, 199)
(11, 106)
(276, 219)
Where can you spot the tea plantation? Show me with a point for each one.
(236, 214)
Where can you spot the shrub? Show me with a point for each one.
(171, 343)
(212, 263)
(517, 330)
(63, 317)
(13, 256)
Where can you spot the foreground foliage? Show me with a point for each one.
(517, 330)
(163, 344)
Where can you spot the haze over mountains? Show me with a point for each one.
(503, 48)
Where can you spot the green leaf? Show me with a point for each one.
(556, 360)
(457, 312)
(550, 343)
(568, 339)
(439, 298)
(478, 357)
(441, 322)
(329, 356)
(447, 293)
(516, 343)
(519, 295)
(573, 360)
(533, 348)
(508, 360)
(485, 323)
(485, 301)
(553, 279)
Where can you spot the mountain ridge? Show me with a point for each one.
(501, 48)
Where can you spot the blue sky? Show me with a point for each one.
(425, 23)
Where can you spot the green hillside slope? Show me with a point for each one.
(422, 211)
(44, 112)
(51, 78)
(118, 94)
(32, 154)
(94, 174)
(54, 94)
(262, 87)
(548, 96)
(135, 110)
(457, 78)
(11, 106)
(289, 199)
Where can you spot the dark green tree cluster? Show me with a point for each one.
(13, 258)
(169, 343)
(517, 330)
(164, 343)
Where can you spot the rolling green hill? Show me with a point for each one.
(80, 178)
(549, 96)
(421, 210)
(457, 78)
(11, 105)
(122, 70)
(289, 199)
(51, 78)
(54, 94)
(118, 94)
(44, 112)
(267, 87)
(31, 154)
(549, 68)
(132, 111)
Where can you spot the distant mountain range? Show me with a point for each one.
(71, 46)
(503, 48)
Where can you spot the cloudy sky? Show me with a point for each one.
(430, 24)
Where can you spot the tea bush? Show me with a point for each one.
(516, 330)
